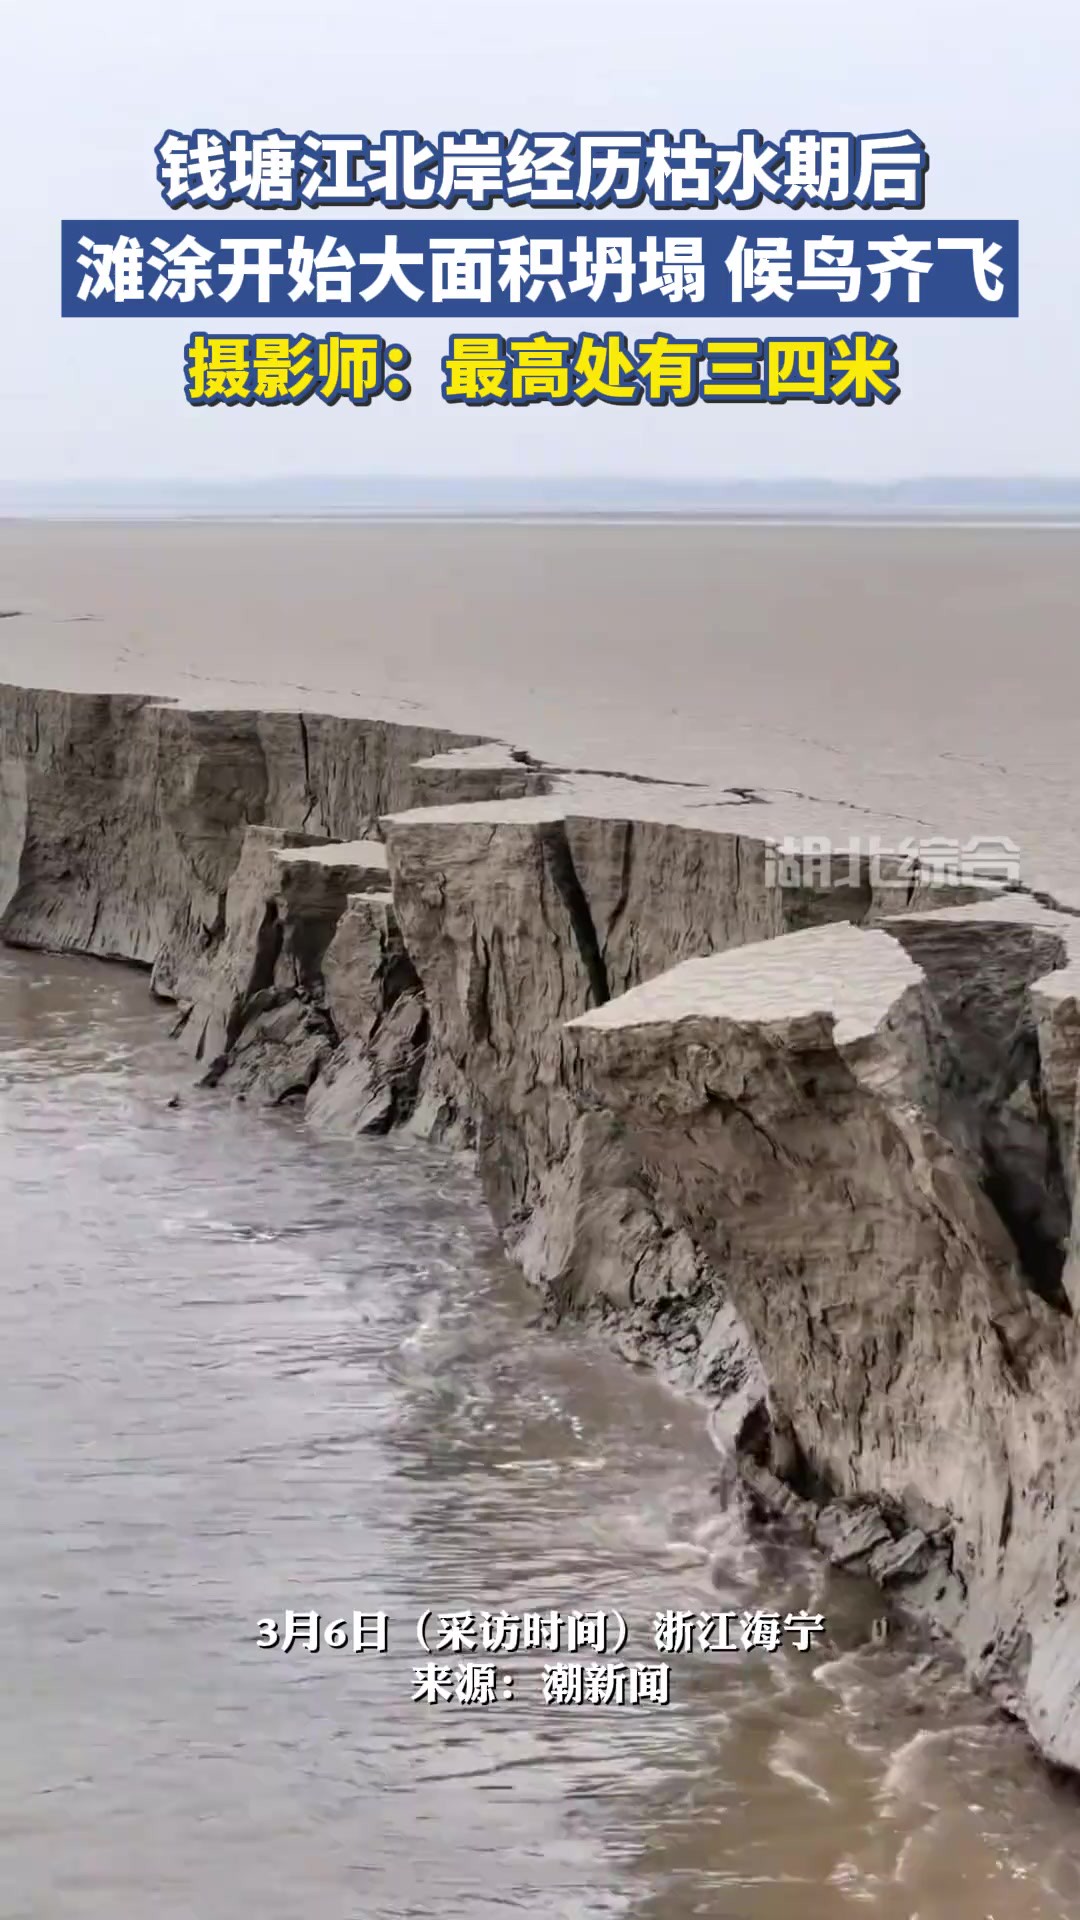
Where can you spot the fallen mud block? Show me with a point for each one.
(282, 905)
(265, 1020)
(376, 1008)
(338, 1018)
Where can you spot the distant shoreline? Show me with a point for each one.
(928, 519)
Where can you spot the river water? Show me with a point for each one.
(246, 1371)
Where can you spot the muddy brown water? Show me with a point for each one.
(245, 1371)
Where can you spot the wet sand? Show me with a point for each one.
(926, 674)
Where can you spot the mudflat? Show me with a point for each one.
(929, 674)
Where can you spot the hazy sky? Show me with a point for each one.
(991, 86)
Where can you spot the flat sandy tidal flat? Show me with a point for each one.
(929, 675)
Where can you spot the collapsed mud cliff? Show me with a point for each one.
(805, 1141)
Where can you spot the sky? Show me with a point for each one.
(86, 93)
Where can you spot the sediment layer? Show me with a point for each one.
(807, 1145)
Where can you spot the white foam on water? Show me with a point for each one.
(787, 1760)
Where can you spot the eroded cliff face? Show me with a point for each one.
(811, 1149)
(787, 1104)
(376, 1005)
(122, 819)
